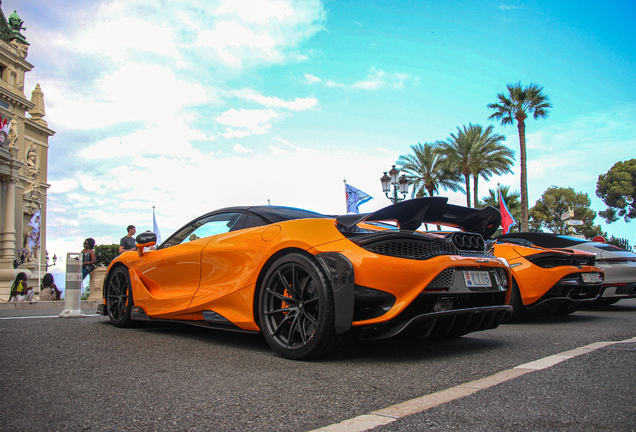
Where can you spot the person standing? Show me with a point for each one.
(128, 242)
(88, 257)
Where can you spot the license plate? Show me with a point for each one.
(477, 279)
(591, 278)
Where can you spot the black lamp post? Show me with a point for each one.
(47, 260)
(400, 184)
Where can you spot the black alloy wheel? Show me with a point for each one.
(119, 299)
(296, 309)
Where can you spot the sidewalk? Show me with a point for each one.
(58, 304)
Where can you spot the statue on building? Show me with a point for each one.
(12, 134)
(21, 49)
(31, 166)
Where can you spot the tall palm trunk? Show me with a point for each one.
(475, 191)
(467, 177)
(521, 126)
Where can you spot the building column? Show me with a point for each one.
(8, 238)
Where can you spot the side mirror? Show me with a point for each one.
(145, 240)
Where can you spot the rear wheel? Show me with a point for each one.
(296, 309)
(119, 299)
(518, 309)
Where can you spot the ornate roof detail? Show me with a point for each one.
(10, 29)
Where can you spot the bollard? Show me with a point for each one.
(73, 291)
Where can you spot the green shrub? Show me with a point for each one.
(106, 253)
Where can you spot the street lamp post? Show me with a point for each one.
(400, 184)
(47, 260)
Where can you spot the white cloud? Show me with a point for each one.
(240, 149)
(256, 122)
(376, 79)
(298, 104)
(312, 79)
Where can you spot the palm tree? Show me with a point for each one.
(461, 153)
(426, 171)
(516, 106)
(493, 159)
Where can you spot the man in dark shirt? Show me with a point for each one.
(128, 242)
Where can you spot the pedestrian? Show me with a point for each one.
(19, 290)
(88, 257)
(48, 289)
(127, 242)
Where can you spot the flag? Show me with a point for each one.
(34, 235)
(507, 220)
(355, 197)
(155, 227)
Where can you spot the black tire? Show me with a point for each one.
(296, 309)
(119, 299)
(518, 309)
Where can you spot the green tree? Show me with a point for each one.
(104, 254)
(426, 171)
(461, 153)
(493, 158)
(617, 189)
(516, 106)
(546, 213)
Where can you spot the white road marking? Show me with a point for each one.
(390, 414)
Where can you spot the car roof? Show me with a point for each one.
(546, 240)
(271, 213)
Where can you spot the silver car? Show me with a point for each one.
(619, 264)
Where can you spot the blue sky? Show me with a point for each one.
(196, 105)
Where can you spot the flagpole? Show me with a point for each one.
(346, 198)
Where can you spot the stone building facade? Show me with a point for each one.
(24, 146)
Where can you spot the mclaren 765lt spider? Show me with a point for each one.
(618, 264)
(548, 280)
(310, 283)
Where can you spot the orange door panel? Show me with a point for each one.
(171, 277)
(229, 262)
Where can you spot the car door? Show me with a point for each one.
(230, 261)
(172, 274)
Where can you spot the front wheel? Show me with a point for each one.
(296, 309)
(119, 299)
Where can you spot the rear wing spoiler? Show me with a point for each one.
(410, 214)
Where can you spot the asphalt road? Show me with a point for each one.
(83, 374)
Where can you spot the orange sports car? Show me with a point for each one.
(310, 283)
(549, 281)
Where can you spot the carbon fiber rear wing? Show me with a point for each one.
(410, 214)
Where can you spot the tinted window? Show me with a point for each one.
(252, 221)
(205, 227)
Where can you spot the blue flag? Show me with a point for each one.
(355, 197)
(155, 227)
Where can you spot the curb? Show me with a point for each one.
(56, 304)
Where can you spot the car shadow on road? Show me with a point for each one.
(551, 319)
(225, 338)
(412, 349)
